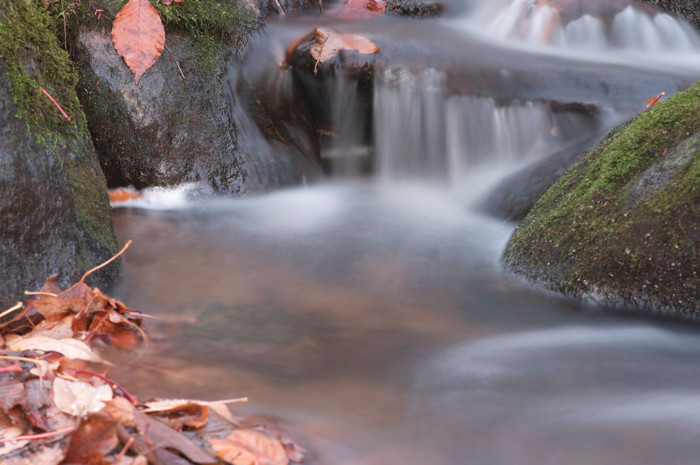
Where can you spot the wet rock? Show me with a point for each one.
(182, 123)
(54, 210)
(622, 226)
(414, 8)
(514, 197)
(690, 9)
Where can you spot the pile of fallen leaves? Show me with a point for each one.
(57, 405)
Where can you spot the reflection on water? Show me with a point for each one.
(377, 325)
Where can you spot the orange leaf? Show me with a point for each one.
(364, 8)
(247, 447)
(653, 101)
(138, 36)
(122, 195)
(327, 44)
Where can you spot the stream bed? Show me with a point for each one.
(371, 316)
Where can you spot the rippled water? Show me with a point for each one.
(372, 317)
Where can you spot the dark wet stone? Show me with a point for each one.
(414, 8)
(689, 9)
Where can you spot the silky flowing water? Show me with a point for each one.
(371, 316)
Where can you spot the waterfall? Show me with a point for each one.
(585, 25)
(422, 133)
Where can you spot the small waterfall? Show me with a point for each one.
(421, 133)
(586, 25)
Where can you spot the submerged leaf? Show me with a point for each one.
(138, 36)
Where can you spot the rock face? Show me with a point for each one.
(690, 9)
(54, 211)
(623, 225)
(171, 129)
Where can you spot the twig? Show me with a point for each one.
(176, 63)
(31, 437)
(12, 309)
(84, 309)
(23, 359)
(122, 453)
(50, 294)
(14, 367)
(280, 7)
(126, 393)
(56, 103)
(65, 30)
(82, 280)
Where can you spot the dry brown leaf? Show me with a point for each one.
(247, 446)
(157, 433)
(327, 44)
(55, 308)
(95, 437)
(12, 392)
(79, 398)
(138, 36)
(189, 415)
(70, 348)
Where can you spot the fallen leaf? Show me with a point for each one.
(12, 392)
(122, 195)
(157, 433)
(71, 348)
(327, 44)
(42, 456)
(55, 308)
(95, 437)
(653, 101)
(247, 446)
(138, 36)
(355, 8)
(79, 398)
(189, 415)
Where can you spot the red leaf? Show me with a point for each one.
(138, 36)
(653, 101)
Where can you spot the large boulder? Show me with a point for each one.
(54, 211)
(623, 225)
(183, 122)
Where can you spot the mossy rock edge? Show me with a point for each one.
(621, 227)
(54, 210)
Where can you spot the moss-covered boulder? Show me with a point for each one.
(181, 123)
(623, 225)
(54, 210)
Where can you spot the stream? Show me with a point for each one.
(370, 316)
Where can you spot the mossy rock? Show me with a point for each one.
(179, 123)
(54, 210)
(622, 226)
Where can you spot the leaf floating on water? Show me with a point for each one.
(122, 195)
(138, 36)
(653, 101)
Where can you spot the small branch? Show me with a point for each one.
(122, 453)
(65, 30)
(12, 309)
(280, 7)
(56, 103)
(48, 294)
(126, 393)
(82, 280)
(176, 63)
(14, 367)
(31, 437)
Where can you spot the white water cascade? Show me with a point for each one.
(585, 25)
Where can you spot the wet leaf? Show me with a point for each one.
(327, 44)
(79, 398)
(138, 36)
(247, 446)
(95, 437)
(364, 8)
(42, 456)
(55, 308)
(122, 195)
(71, 348)
(12, 392)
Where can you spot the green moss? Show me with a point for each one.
(35, 61)
(618, 222)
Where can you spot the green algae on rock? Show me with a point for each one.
(622, 225)
(53, 200)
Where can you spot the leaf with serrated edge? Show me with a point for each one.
(138, 36)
